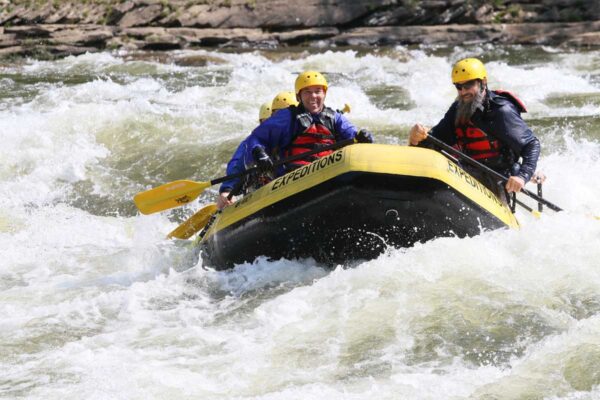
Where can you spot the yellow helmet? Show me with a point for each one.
(468, 69)
(284, 100)
(310, 78)
(265, 111)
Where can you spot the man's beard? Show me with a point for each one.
(466, 109)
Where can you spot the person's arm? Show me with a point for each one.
(510, 129)
(530, 155)
(234, 166)
(344, 128)
(444, 130)
(271, 134)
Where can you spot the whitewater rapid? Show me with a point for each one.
(96, 303)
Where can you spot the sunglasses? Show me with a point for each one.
(467, 85)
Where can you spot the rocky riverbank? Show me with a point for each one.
(59, 28)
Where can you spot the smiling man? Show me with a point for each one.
(487, 126)
(299, 129)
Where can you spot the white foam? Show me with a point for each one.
(98, 304)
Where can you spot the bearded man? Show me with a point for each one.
(487, 126)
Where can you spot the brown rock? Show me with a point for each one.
(198, 61)
(37, 15)
(163, 41)
(589, 39)
(41, 31)
(277, 14)
(8, 40)
(97, 36)
(528, 33)
(12, 15)
(124, 7)
(147, 2)
(305, 35)
(65, 50)
(11, 51)
(125, 43)
(204, 16)
(141, 16)
(213, 37)
(170, 20)
(547, 33)
(59, 16)
(484, 14)
(74, 16)
(188, 17)
(467, 34)
(396, 16)
(143, 32)
(94, 14)
(117, 12)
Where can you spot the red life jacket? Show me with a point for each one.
(310, 135)
(475, 143)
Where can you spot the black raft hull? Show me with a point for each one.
(354, 214)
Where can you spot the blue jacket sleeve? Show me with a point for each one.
(235, 165)
(273, 135)
(344, 128)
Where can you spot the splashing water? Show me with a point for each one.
(96, 303)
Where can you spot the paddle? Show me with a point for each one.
(490, 171)
(178, 193)
(194, 223)
(533, 212)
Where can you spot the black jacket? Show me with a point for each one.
(500, 119)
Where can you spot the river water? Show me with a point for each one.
(97, 304)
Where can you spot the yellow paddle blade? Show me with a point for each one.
(169, 195)
(194, 223)
(346, 108)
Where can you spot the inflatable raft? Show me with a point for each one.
(352, 205)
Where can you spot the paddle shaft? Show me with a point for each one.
(490, 171)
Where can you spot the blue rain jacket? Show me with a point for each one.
(277, 133)
(235, 165)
